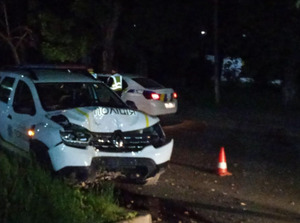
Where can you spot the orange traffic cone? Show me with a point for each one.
(222, 165)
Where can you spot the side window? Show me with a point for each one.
(6, 88)
(23, 101)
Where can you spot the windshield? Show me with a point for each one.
(57, 96)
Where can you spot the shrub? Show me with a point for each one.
(30, 194)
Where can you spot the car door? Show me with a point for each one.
(6, 89)
(21, 116)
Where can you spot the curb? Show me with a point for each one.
(146, 218)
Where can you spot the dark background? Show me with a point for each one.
(161, 39)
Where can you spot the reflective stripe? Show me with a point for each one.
(222, 165)
(85, 114)
(117, 82)
(82, 112)
(147, 120)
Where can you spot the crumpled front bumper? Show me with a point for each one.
(144, 163)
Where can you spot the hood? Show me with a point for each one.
(105, 120)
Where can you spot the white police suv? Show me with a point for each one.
(76, 124)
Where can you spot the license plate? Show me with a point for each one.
(170, 105)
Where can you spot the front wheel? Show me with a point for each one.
(39, 153)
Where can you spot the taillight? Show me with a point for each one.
(175, 95)
(151, 95)
(155, 96)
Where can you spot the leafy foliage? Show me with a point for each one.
(29, 194)
(61, 32)
(62, 38)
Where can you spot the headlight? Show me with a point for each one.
(62, 120)
(75, 136)
(156, 135)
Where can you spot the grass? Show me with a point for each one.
(30, 194)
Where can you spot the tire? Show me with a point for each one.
(39, 153)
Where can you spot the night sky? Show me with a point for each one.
(170, 37)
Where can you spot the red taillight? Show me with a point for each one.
(175, 95)
(151, 95)
(155, 96)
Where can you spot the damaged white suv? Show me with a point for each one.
(75, 124)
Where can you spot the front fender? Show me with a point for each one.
(48, 134)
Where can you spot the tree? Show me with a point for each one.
(272, 43)
(76, 29)
(102, 18)
(62, 40)
(15, 37)
(216, 53)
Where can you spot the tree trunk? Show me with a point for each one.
(12, 47)
(7, 36)
(15, 54)
(109, 28)
(216, 52)
(289, 89)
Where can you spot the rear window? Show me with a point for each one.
(147, 83)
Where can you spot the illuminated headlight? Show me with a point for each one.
(76, 137)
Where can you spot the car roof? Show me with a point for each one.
(123, 75)
(136, 79)
(42, 73)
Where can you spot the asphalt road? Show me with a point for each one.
(262, 155)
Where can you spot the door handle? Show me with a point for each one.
(9, 116)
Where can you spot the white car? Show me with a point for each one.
(76, 124)
(146, 95)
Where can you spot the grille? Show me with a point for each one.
(131, 142)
